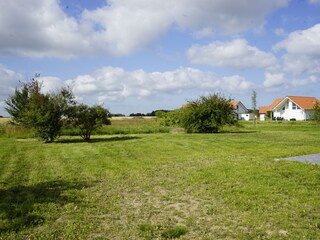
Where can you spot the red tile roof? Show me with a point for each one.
(265, 109)
(304, 102)
(275, 103)
(234, 103)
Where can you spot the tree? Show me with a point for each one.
(17, 103)
(254, 106)
(316, 112)
(88, 119)
(207, 114)
(42, 112)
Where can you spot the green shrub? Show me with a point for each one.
(207, 114)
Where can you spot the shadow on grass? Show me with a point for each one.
(17, 204)
(95, 140)
(239, 131)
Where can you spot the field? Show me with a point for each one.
(159, 185)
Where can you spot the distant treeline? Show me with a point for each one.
(152, 114)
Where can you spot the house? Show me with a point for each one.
(241, 111)
(265, 109)
(291, 108)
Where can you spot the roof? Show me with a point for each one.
(275, 103)
(265, 109)
(304, 102)
(234, 103)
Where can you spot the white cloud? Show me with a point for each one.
(314, 1)
(309, 80)
(50, 84)
(235, 54)
(110, 83)
(236, 84)
(302, 51)
(42, 29)
(8, 82)
(274, 79)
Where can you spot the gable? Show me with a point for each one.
(305, 103)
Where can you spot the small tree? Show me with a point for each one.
(316, 112)
(254, 106)
(43, 112)
(207, 114)
(88, 119)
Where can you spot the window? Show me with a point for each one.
(295, 106)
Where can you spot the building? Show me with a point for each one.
(290, 108)
(241, 111)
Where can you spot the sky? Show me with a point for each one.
(136, 56)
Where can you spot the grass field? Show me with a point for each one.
(162, 185)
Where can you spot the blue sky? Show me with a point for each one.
(141, 55)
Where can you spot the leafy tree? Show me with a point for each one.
(88, 119)
(17, 103)
(42, 112)
(316, 112)
(207, 114)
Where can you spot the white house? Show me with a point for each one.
(241, 111)
(264, 109)
(293, 108)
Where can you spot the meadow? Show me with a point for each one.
(136, 180)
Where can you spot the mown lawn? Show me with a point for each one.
(158, 186)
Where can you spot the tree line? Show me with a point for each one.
(47, 113)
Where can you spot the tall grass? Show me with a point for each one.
(8, 129)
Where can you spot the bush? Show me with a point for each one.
(207, 114)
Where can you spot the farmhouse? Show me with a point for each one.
(241, 111)
(290, 108)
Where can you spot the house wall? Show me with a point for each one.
(262, 116)
(247, 116)
(298, 114)
(240, 110)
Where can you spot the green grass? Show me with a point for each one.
(162, 186)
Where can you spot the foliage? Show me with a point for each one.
(88, 119)
(17, 103)
(41, 111)
(316, 112)
(169, 118)
(207, 114)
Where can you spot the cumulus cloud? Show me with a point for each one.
(51, 84)
(234, 54)
(274, 79)
(42, 29)
(236, 84)
(115, 84)
(302, 51)
(110, 84)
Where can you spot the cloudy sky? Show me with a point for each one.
(142, 55)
